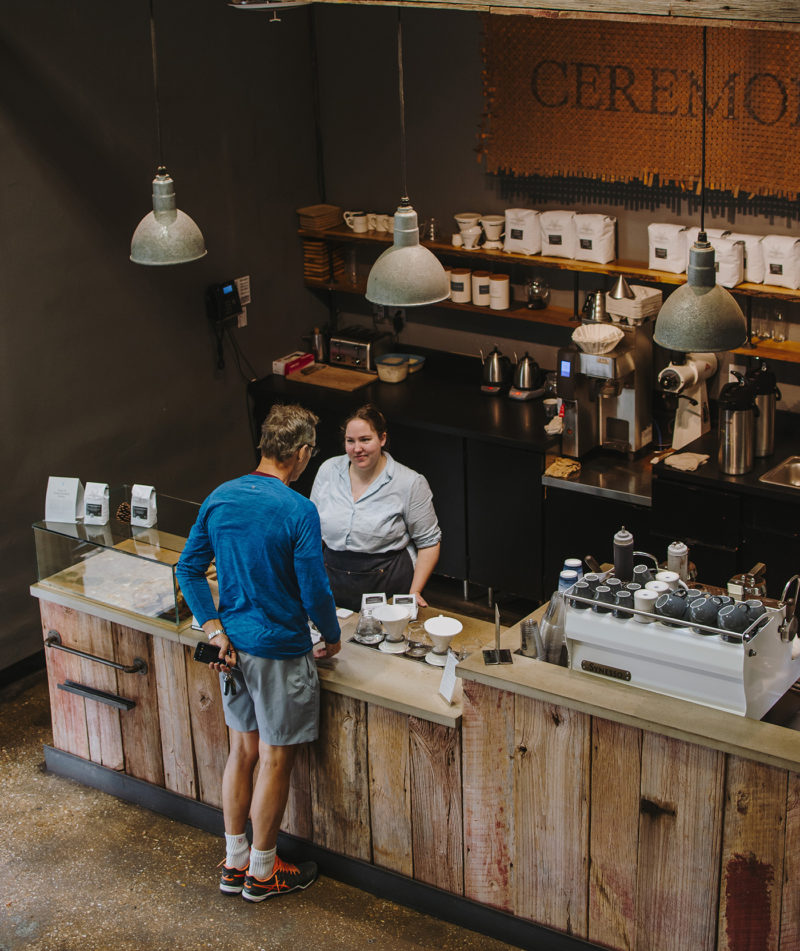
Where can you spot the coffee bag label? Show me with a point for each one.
(661, 252)
(554, 239)
(517, 233)
(586, 244)
(776, 269)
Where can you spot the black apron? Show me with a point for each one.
(353, 573)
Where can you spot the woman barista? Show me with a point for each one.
(379, 527)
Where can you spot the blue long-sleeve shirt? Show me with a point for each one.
(266, 540)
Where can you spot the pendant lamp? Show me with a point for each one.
(406, 274)
(166, 235)
(700, 315)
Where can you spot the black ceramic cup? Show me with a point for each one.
(603, 596)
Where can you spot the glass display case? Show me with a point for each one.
(119, 564)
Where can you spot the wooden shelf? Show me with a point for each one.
(788, 351)
(628, 269)
(556, 316)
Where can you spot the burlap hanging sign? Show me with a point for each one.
(622, 102)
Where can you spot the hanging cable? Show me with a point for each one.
(402, 97)
(703, 137)
(155, 83)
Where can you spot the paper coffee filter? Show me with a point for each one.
(597, 338)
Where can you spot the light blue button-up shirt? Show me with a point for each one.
(395, 512)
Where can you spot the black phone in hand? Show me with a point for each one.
(207, 653)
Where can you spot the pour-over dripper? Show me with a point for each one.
(394, 619)
(441, 630)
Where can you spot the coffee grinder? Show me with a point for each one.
(607, 396)
(686, 381)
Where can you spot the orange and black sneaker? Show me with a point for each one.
(231, 881)
(285, 878)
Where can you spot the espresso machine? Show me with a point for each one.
(607, 397)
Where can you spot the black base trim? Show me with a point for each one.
(369, 878)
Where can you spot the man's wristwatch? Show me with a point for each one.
(214, 633)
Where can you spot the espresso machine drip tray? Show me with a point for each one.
(745, 675)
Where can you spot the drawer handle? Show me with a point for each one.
(138, 666)
(101, 696)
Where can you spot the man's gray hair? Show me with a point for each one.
(285, 430)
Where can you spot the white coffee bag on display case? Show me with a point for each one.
(753, 255)
(558, 233)
(667, 244)
(595, 238)
(523, 233)
(781, 260)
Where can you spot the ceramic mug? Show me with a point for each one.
(457, 241)
(644, 600)
(382, 222)
(703, 611)
(372, 221)
(356, 221)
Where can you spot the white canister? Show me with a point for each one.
(499, 291)
(448, 272)
(678, 559)
(460, 285)
(480, 288)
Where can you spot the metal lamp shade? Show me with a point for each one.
(166, 235)
(700, 316)
(407, 275)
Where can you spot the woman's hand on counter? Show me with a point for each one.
(325, 649)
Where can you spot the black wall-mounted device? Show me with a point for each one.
(223, 301)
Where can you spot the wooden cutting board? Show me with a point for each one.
(335, 378)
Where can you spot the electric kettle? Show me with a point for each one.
(527, 373)
(496, 371)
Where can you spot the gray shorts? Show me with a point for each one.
(279, 698)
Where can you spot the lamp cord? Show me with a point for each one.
(402, 97)
(703, 136)
(155, 83)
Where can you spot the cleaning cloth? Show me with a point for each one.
(561, 468)
(686, 461)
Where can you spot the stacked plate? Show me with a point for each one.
(321, 263)
(319, 217)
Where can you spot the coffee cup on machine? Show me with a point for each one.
(671, 605)
(703, 611)
(644, 601)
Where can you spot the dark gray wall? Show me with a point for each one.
(108, 368)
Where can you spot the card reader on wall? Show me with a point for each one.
(223, 301)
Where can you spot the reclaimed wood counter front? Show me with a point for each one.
(627, 818)
(382, 784)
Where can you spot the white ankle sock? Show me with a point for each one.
(236, 850)
(261, 863)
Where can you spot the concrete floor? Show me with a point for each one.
(84, 870)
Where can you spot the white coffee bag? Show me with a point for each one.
(523, 234)
(558, 233)
(667, 246)
(753, 255)
(729, 260)
(595, 238)
(781, 260)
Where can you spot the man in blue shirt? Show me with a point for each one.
(265, 540)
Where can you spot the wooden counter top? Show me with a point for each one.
(364, 673)
(691, 722)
